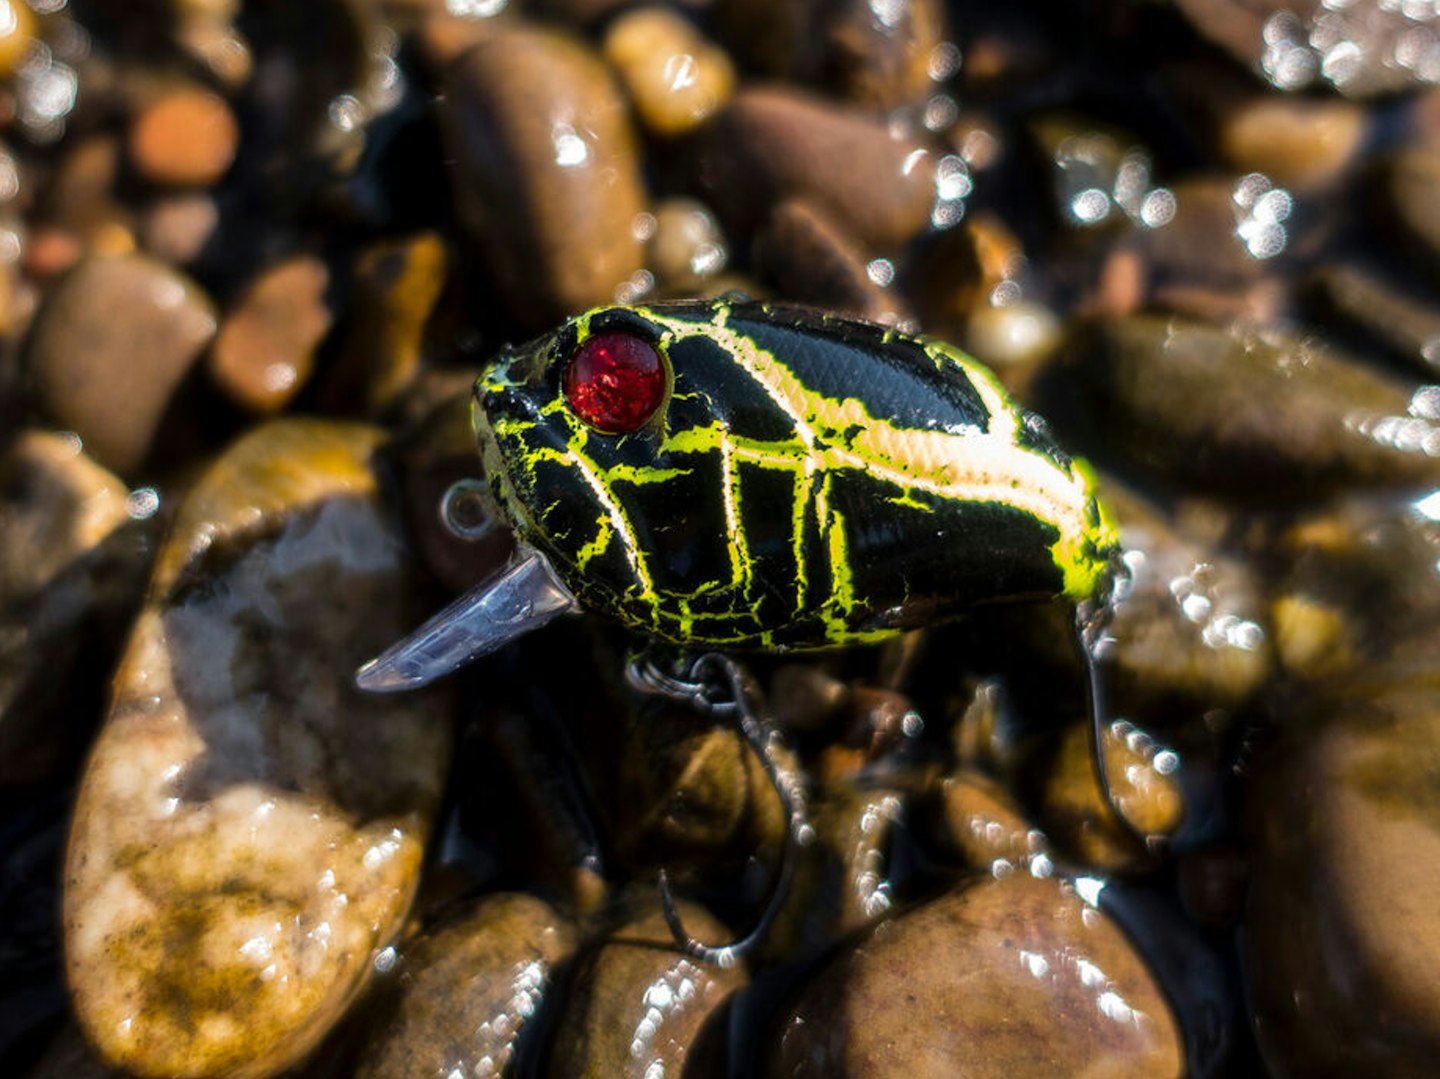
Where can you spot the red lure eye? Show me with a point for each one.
(615, 381)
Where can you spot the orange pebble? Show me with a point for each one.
(185, 138)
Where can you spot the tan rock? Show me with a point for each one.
(250, 827)
(675, 76)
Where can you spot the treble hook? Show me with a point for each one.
(718, 686)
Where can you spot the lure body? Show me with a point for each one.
(805, 481)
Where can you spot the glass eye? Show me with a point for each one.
(615, 381)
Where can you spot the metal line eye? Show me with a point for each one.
(615, 381)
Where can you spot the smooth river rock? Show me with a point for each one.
(250, 827)
(468, 991)
(110, 348)
(1007, 977)
(1340, 939)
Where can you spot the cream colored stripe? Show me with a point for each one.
(970, 466)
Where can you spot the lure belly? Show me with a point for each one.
(748, 476)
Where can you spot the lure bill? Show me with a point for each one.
(745, 476)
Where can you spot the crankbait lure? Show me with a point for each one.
(731, 476)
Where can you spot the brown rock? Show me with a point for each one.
(1199, 246)
(811, 260)
(880, 58)
(773, 144)
(1361, 595)
(184, 138)
(1007, 977)
(467, 991)
(842, 881)
(58, 504)
(805, 697)
(80, 198)
(1362, 50)
(1190, 629)
(1297, 142)
(1254, 414)
(250, 827)
(72, 572)
(694, 789)
(396, 285)
(1100, 826)
(110, 348)
(687, 248)
(1410, 181)
(637, 1007)
(1408, 324)
(981, 826)
(1012, 335)
(265, 350)
(442, 452)
(1340, 942)
(547, 182)
(675, 76)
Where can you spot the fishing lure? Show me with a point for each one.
(735, 476)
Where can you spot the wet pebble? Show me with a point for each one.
(1190, 633)
(546, 170)
(395, 287)
(250, 827)
(1410, 179)
(1013, 334)
(813, 261)
(1004, 977)
(265, 349)
(687, 247)
(17, 34)
(1246, 412)
(981, 827)
(1200, 247)
(1360, 597)
(1113, 826)
(467, 991)
(676, 78)
(177, 227)
(1360, 49)
(693, 789)
(71, 577)
(58, 504)
(123, 330)
(1297, 142)
(880, 60)
(442, 452)
(776, 143)
(636, 1007)
(1339, 937)
(185, 138)
(1409, 325)
(80, 201)
(843, 878)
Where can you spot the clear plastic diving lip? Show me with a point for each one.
(523, 596)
